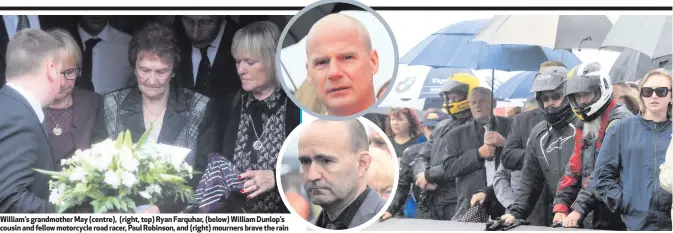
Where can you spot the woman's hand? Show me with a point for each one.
(259, 182)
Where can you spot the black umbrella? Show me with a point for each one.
(632, 65)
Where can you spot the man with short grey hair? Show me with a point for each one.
(33, 74)
(334, 160)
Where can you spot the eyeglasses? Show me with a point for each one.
(553, 96)
(71, 74)
(660, 91)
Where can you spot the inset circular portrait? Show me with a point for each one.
(337, 175)
(335, 59)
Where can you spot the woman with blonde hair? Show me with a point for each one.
(381, 173)
(627, 174)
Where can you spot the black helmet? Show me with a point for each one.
(553, 79)
(588, 77)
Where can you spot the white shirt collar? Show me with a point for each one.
(34, 103)
(218, 39)
(104, 35)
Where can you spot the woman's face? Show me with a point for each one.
(399, 124)
(70, 70)
(153, 75)
(252, 72)
(654, 103)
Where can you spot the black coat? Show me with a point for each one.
(407, 179)
(515, 148)
(549, 151)
(23, 147)
(461, 160)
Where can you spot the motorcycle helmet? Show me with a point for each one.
(552, 79)
(461, 83)
(585, 78)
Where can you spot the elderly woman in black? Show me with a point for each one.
(176, 116)
(261, 118)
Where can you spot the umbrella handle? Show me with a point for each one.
(585, 39)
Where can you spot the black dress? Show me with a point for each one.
(399, 148)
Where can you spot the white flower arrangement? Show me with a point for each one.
(111, 174)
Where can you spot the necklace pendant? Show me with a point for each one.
(257, 145)
(57, 131)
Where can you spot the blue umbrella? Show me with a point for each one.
(452, 47)
(517, 87)
(435, 78)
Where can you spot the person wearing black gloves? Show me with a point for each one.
(438, 199)
(589, 92)
(549, 146)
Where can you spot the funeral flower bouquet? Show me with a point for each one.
(112, 174)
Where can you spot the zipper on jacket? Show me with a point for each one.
(656, 177)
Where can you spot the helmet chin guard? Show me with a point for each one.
(587, 79)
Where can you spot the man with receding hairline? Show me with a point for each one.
(341, 64)
(334, 160)
(33, 81)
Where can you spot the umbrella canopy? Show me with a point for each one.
(452, 47)
(551, 31)
(517, 87)
(632, 65)
(648, 34)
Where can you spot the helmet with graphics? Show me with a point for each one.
(589, 90)
(455, 91)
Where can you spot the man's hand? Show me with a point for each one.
(431, 186)
(508, 219)
(494, 138)
(572, 220)
(386, 216)
(420, 181)
(486, 151)
(559, 217)
(479, 197)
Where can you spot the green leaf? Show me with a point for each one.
(120, 140)
(143, 138)
(52, 173)
(115, 203)
(128, 140)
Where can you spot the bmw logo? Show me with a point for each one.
(405, 84)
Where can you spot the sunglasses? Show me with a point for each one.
(660, 91)
(553, 96)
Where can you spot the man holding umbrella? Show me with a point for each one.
(549, 145)
(589, 93)
(438, 201)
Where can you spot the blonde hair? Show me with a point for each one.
(70, 50)
(380, 173)
(259, 40)
(307, 97)
(654, 72)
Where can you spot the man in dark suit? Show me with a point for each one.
(207, 65)
(334, 158)
(33, 81)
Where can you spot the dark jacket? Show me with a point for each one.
(573, 188)
(23, 147)
(407, 179)
(441, 202)
(88, 123)
(187, 123)
(626, 177)
(224, 77)
(505, 187)
(515, 148)
(544, 165)
(461, 158)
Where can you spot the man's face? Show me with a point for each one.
(94, 23)
(201, 29)
(330, 171)
(480, 106)
(584, 98)
(427, 131)
(53, 74)
(341, 69)
(551, 98)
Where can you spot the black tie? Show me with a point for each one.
(85, 82)
(203, 74)
(23, 23)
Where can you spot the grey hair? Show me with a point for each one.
(363, 32)
(71, 50)
(482, 91)
(259, 40)
(28, 50)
